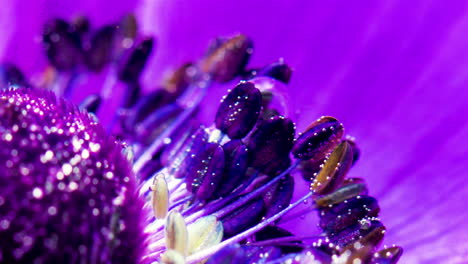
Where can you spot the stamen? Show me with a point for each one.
(204, 233)
(342, 194)
(239, 110)
(231, 180)
(176, 233)
(160, 197)
(130, 70)
(334, 170)
(204, 171)
(320, 137)
(210, 251)
(349, 212)
(270, 144)
(159, 142)
(227, 58)
(236, 159)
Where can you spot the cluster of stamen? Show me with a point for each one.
(218, 192)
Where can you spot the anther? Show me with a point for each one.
(320, 138)
(334, 169)
(204, 233)
(176, 233)
(160, 196)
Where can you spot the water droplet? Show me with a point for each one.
(37, 193)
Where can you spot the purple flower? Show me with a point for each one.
(390, 72)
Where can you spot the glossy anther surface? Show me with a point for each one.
(271, 142)
(349, 212)
(318, 139)
(239, 110)
(205, 171)
(334, 170)
(236, 156)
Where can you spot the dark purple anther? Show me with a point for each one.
(67, 194)
(232, 254)
(11, 76)
(353, 233)
(131, 68)
(347, 213)
(91, 103)
(205, 171)
(98, 52)
(389, 255)
(188, 152)
(243, 218)
(236, 156)
(239, 110)
(227, 58)
(62, 44)
(155, 124)
(270, 144)
(321, 137)
(278, 197)
(278, 70)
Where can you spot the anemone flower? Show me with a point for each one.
(392, 72)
